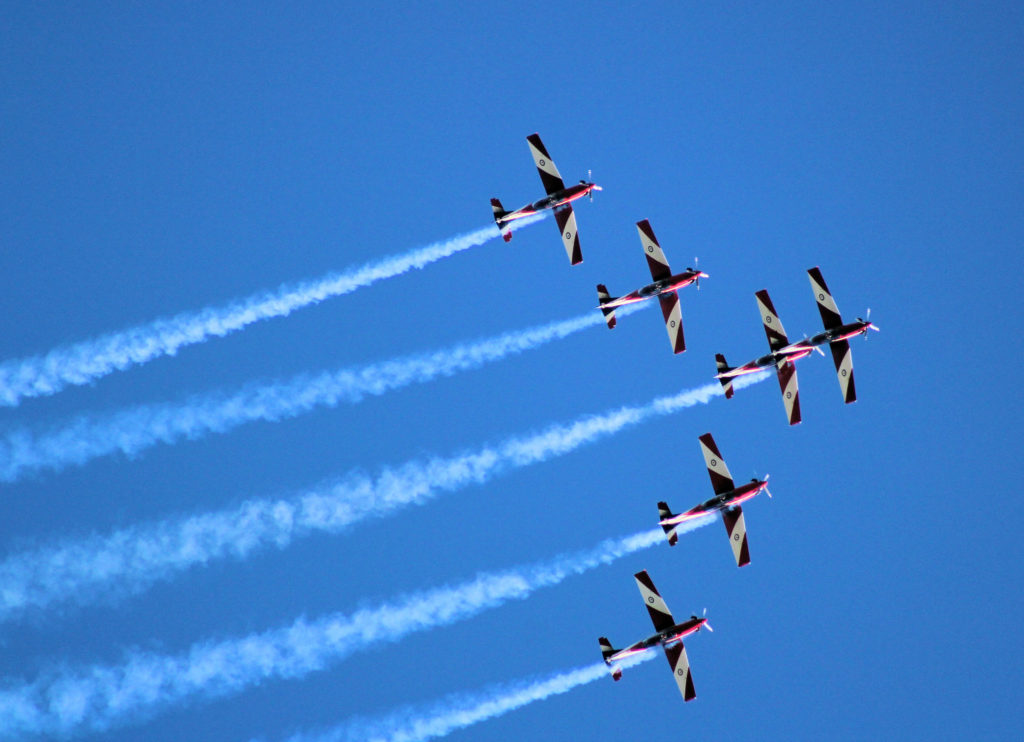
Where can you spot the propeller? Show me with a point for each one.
(696, 269)
(704, 615)
(593, 185)
(766, 490)
(870, 324)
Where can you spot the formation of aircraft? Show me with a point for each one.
(668, 635)
(559, 198)
(782, 355)
(665, 286)
(727, 499)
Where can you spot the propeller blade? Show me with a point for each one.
(818, 349)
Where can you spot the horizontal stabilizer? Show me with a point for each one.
(664, 513)
(603, 298)
(722, 368)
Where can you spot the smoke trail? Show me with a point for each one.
(99, 696)
(132, 559)
(87, 361)
(459, 711)
(135, 429)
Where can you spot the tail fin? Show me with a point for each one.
(607, 650)
(603, 298)
(499, 214)
(722, 368)
(670, 531)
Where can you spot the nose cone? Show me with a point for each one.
(595, 187)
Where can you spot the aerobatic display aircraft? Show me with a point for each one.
(669, 635)
(727, 499)
(664, 287)
(837, 334)
(559, 198)
(783, 356)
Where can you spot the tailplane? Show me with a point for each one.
(664, 513)
(603, 298)
(724, 367)
(607, 650)
(499, 215)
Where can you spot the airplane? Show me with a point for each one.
(837, 334)
(559, 198)
(669, 635)
(727, 499)
(783, 356)
(664, 287)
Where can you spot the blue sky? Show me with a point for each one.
(157, 160)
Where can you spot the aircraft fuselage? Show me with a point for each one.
(719, 502)
(844, 332)
(668, 636)
(664, 286)
(551, 201)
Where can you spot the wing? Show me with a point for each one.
(843, 357)
(786, 371)
(721, 479)
(660, 615)
(549, 174)
(772, 324)
(737, 530)
(826, 304)
(680, 665)
(656, 259)
(566, 219)
(673, 320)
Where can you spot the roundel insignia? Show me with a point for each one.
(650, 248)
(821, 297)
(650, 598)
(735, 537)
(672, 324)
(714, 462)
(568, 235)
(680, 672)
(767, 319)
(789, 395)
(542, 162)
(843, 372)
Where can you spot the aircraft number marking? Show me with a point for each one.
(843, 372)
(541, 162)
(735, 537)
(789, 395)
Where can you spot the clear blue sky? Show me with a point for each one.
(162, 159)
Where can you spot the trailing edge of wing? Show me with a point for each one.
(549, 174)
(566, 219)
(737, 530)
(680, 664)
(661, 617)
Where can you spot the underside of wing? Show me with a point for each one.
(772, 324)
(673, 320)
(566, 219)
(680, 664)
(843, 358)
(549, 174)
(660, 615)
(830, 316)
(786, 371)
(656, 259)
(737, 530)
(721, 479)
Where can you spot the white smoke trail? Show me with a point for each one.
(132, 559)
(459, 711)
(137, 428)
(87, 361)
(100, 696)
